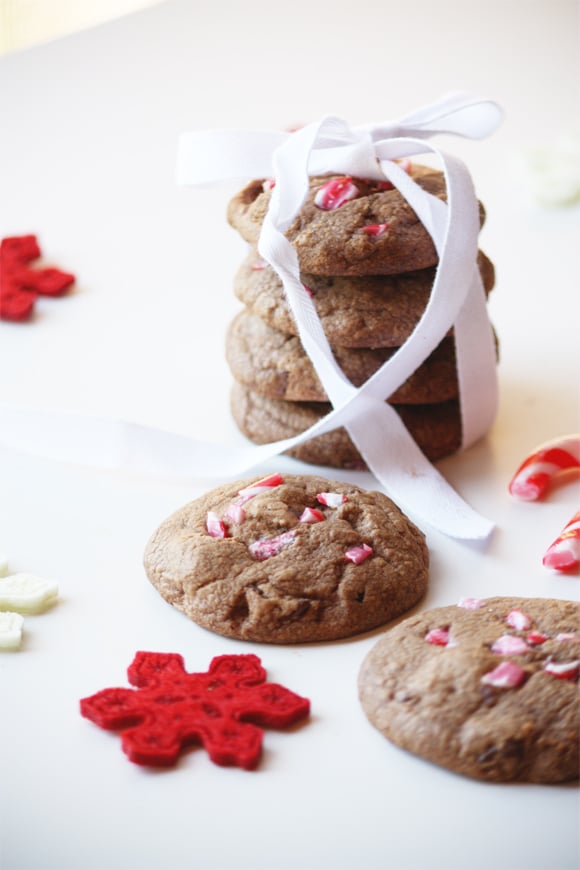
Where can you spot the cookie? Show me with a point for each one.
(276, 365)
(487, 688)
(375, 232)
(289, 559)
(371, 311)
(436, 428)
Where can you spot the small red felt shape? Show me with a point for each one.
(221, 709)
(19, 284)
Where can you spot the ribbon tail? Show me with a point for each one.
(476, 362)
(396, 461)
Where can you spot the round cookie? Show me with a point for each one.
(370, 311)
(276, 365)
(289, 559)
(487, 688)
(436, 428)
(336, 241)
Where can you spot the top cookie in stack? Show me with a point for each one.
(369, 265)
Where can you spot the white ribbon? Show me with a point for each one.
(457, 297)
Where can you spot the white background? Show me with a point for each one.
(88, 136)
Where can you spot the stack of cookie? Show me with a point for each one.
(369, 265)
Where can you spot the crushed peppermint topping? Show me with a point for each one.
(215, 526)
(359, 554)
(508, 675)
(267, 547)
(259, 486)
(567, 635)
(335, 193)
(470, 603)
(259, 264)
(535, 638)
(509, 645)
(375, 230)
(438, 636)
(563, 670)
(268, 184)
(309, 290)
(311, 515)
(236, 513)
(331, 499)
(518, 620)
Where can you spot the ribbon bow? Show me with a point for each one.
(457, 297)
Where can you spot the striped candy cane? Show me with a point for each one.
(539, 469)
(564, 553)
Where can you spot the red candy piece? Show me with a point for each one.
(535, 638)
(544, 465)
(221, 709)
(509, 645)
(518, 620)
(260, 486)
(335, 193)
(564, 553)
(331, 499)
(311, 515)
(438, 636)
(19, 284)
(562, 670)
(267, 547)
(375, 230)
(357, 555)
(508, 675)
(215, 527)
(236, 513)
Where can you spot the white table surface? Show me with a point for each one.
(88, 134)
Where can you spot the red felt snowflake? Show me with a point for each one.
(19, 284)
(221, 709)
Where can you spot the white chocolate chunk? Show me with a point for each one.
(26, 593)
(10, 631)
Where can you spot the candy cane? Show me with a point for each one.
(564, 553)
(539, 469)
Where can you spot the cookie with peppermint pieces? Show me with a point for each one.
(289, 559)
(349, 226)
(366, 311)
(487, 688)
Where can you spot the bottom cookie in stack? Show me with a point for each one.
(435, 427)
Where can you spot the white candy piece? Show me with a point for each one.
(3, 565)
(554, 170)
(10, 631)
(26, 593)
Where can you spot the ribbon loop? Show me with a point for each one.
(457, 114)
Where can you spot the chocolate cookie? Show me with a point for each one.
(289, 559)
(363, 230)
(276, 365)
(372, 311)
(436, 428)
(487, 688)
